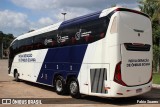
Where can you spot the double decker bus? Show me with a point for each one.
(107, 54)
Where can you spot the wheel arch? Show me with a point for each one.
(55, 76)
(71, 77)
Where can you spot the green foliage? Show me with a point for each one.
(6, 39)
(156, 56)
(152, 8)
(156, 33)
(156, 78)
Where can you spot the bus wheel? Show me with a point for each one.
(74, 89)
(59, 85)
(17, 76)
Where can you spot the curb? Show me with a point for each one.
(156, 86)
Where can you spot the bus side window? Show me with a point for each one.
(21, 45)
(94, 30)
(70, 33)
(29, 44)
(39, 41)
(54, 38)
(51, 39)
(15, 45)
(14, 49)
(66, 36)
(64, 40)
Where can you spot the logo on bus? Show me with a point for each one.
(46, 41)
(61, 39)
(79, 34)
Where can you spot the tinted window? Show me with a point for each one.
(21, 45)
(29, 44)
(51, 39)
(15, 45)
(29, 41)
(13, 51)
(94, 30)
(39, 41)
(84, 33)
(67, 36)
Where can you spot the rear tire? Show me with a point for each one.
(74, 89)
(59, 85)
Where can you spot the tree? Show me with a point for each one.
(6, 39)
(152, 8)
(1, 36)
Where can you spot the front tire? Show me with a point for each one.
(74, 89)
(17, 76)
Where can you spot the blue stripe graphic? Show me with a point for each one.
(59, 60)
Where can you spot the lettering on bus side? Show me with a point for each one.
(137, 62)
(26, 58)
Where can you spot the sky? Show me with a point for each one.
(20, 16)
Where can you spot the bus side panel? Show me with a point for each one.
(28, 64)
(59, 61)
(94, 72)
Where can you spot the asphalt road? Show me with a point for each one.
(30, 91)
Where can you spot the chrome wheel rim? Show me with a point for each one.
(58, 85)
(73, 87)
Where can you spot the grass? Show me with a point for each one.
(156, 78)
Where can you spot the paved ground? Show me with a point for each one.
(11, 89)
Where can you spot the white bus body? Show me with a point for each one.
(115, 61)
